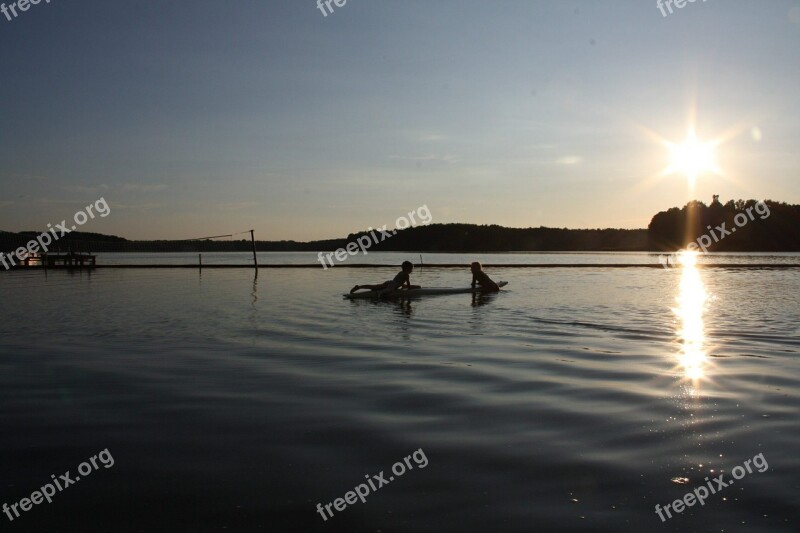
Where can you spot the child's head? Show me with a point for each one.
(476, 267)
(408, 266)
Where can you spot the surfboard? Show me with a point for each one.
(425, 291)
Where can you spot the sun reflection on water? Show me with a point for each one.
(692, 299)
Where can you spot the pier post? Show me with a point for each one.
(253, 240)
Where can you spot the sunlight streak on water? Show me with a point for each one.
(692, 299)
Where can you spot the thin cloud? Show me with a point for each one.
(137, 207)
(433, 137)
(144, 187)
(237, 206)
(85, 189)
(445, 158)
(569, 160)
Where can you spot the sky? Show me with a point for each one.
(207, 117)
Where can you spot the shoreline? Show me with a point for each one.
(440, 265)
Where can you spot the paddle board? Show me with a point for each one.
(425, 291)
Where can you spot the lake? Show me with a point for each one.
(395, 258)
(577, 399)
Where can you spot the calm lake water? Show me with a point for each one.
(574, 400)
(396, 258)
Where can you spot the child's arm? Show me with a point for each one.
(474, 280)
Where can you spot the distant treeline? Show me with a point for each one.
(431, 238)
(493, 238)
(760, 227)
(771, 226)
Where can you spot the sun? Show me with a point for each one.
(692, 157)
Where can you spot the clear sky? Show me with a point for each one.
(204, 117)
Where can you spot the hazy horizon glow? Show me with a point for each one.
(206, 118)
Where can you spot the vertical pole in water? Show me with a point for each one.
(200, 258)
(255, 257)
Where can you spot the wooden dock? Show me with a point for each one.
(68, 260)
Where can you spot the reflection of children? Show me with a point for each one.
(388, 286)
(480, 277)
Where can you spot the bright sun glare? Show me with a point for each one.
(692, 301)
(692, 158)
